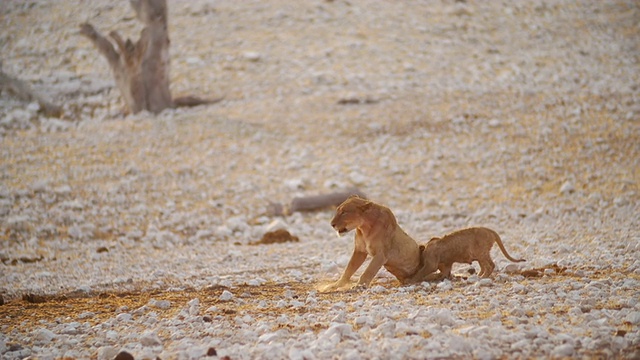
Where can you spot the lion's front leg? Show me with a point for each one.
(373, 268)
(357, 258)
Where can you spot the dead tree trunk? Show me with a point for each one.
(141, 69)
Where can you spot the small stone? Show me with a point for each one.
(135, 234)
(193, 60)
(107, 353)
(268, 337)
(512, 268)
(297, 274)
(212, 352)
(494, 123)
(82, 231)
(561, 351)
(160, 304)
(86, 315)
(473, 279)
(223, 231)
(364, 320)
(633, 318)
(340, 329)
(441, 316)
(567, 188)
(252, 56)
(276, 224)
(620, 201)
(341, 317)
(204, 234)
(62, 190)
(43, 335)
(70, 329)
(444, 285)
(150, 339)
(518, 288)
(256, 282)
(630, 116)
(358, 178)
(85, 289)
(194, 306)
(40, 186)
(33, 107)
(226, 296)
(575, 311)
(125, 317)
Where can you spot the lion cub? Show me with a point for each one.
(377, 234)
(462, 246)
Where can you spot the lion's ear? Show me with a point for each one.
(365, 206)
(354, 196)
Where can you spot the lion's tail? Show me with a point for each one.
(501, 246)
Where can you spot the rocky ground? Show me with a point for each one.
(133, 232)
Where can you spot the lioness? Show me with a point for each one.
(462, 246)
(378, 235)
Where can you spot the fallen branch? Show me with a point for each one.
(313, 203)
(23, 91)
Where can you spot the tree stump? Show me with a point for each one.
(141, 69)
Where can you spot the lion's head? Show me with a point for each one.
(350, 214)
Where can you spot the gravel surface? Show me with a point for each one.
(134, 233)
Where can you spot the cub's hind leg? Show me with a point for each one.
(486, 266)
(445, 270)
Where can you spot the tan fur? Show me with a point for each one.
(377, 234)
(463, 246)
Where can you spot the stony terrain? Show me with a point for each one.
(133, 232)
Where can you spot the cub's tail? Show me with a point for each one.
(501, 246)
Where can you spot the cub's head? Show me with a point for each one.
(350, 214)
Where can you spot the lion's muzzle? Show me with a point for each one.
(340, 229)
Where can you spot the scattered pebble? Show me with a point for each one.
(150, 338)
(43, 335)
(160, 304)
(226, 296)
(567, 188)
(252, 56)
